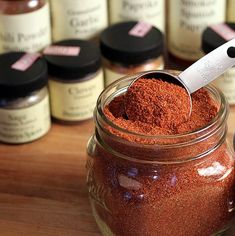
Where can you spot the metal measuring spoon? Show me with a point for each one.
(200, 73)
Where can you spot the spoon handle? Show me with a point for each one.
(209, 67)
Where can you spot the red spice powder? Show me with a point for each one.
(157, 102)
(137, 198)
(155, 107)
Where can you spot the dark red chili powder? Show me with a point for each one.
(156, 107)
(157, 102)
(185, 198)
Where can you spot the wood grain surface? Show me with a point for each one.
(43, 184)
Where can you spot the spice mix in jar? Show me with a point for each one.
(75, 79)
(130, 47)
(213, 37)
(24, 100)
(151, 172)
(24, 25)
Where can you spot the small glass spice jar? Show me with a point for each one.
(126, 52)
(78, 19)
(24, 25)
(151, 11)
(75, 81)
(186, 20)
(24, 101)
(212, 38)
(160, 185)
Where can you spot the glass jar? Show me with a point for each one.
(78, 19)
(24, 101)
(24, 25)
(160, 185)
(186, 21)
(213, 37)
(125, 53)
(75, 81)
(151, 11)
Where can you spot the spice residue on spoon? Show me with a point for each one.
(155, 107)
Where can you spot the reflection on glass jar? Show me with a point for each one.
(160, 185)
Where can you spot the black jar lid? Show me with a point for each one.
(118, 45)
(211, 40)
(16, 83)
(74, 67)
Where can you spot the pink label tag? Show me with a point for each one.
(140, 29)
(224, 31)
(62, 50)
(25, 61)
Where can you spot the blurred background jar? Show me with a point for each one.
(231, 10)
(24, 25)
(186, 21)
(131, 47)
(151, 11)
(213, 37)
(78, 18)
(24, 100)
(75, 81)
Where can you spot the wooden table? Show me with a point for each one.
(42, 184)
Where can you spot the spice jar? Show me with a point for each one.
(24, 25)
(231, 10)
(24, 103)
(186, 21)
(75, 81)
(130, 47)
(151, 11)
(213, 37)
(160, 185)
(78, 19)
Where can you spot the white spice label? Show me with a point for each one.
(151, 11)
(29, 32)
(140, 29)
(187, 20)
(226, 83)
(75, 101)
(78, 18)
(224, 31)
(62, 50)
(26, 61)
(25, 124)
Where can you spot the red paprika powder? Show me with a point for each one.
(149, 177)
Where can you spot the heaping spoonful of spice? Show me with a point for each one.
(172, 93)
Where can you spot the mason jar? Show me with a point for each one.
(160, 185)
